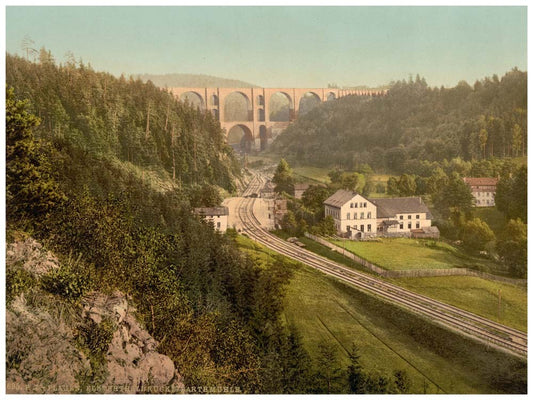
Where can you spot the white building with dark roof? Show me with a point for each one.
(218, 216)
(401, 214)
(358, 217)
(483, 190)
(353, 214)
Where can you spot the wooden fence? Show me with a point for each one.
(414, 273)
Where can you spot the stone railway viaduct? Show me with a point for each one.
(258, 129)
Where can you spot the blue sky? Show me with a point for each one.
(283, 46)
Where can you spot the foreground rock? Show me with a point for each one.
(95, 346)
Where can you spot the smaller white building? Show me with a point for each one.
(218, 216)
(401, 216)
(483, 190)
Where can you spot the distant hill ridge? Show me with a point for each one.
(192, 80)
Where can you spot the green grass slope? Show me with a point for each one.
(389, 338)
(436, 360)
(410, 254)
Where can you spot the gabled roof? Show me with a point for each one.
(340, 198)
(211, 211)
(301, 186)
(390, 207)
(481, 181)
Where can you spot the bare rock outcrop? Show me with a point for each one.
(44, 353)
(133, 363)
(31, 256)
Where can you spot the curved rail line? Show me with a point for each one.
(488, 332)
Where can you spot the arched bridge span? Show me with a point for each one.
(256, 116)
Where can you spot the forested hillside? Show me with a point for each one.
(79, 152)
(100, 116)
(413, 122)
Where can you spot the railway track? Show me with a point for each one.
(481, 329)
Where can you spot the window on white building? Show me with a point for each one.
(417, 216)
(362, 216)
(369, 228)
(369, 215)
(408, 217)
(348, 216)
(409, 225)
(401, 216)
(354, 215)
(362, 228)
(417, 225)
(401, 226)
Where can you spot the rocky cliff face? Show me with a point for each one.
(94, 346)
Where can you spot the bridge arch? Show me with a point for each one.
(308, 101)
(237, 107)
(193, 98)
(241, 138)
(281, 107)
(331, 96)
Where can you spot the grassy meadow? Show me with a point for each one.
(436, 360)
(319, 175)
(389, 338)
(476, 295)
(400, 254)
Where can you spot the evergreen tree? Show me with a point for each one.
(512, 248)
(31, 190)
(454, 199)
(356, 378)
(327, 365)
(283, 178)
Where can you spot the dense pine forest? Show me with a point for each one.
(102, 117)
(414, 122)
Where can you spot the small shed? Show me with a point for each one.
(428, 232)
(299, 189)
(218, 216)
